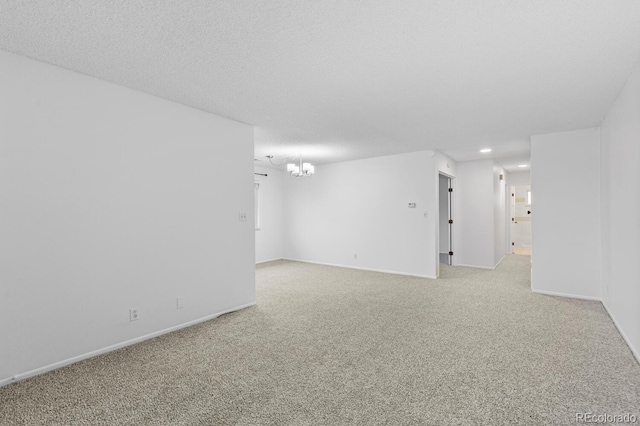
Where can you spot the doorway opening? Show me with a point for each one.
(445, 206)
(521, 220)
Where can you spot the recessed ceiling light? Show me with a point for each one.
(522, 165)
(485, 150)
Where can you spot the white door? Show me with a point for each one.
(521, 219)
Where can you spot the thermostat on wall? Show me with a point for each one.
(412, 205)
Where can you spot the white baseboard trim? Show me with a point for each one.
(475, 266)
(635, 353)
(491, 268)
(111, 348)
(571, 296)
(384, 271)
(269, 260)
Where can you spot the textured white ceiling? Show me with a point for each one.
(339, 80)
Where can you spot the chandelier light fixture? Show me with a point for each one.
(301, 169)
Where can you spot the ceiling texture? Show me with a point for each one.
(340, 80)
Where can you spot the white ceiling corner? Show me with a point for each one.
(335, 80)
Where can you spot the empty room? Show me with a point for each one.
(319, 213)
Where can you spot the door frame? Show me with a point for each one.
(452, 227)
(511, 219)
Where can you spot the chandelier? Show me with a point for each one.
(301, 169)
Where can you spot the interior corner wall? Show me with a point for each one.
(269, 238)
(112, 199)
(620, 191)
(475, 201)
(565, 219)
(357, 214)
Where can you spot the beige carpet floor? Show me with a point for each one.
(333, 346)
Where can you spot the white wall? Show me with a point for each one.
(269, 238)
(519, 178)
(475, 199)
(565, 220)
(620, 186)
(443, 208)
(361, 207)
(112, 199)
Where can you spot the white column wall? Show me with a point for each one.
(499, 214)
(620, 180)
(475, 201)
(565, 222)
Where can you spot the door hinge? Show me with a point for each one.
(450, 189)
(450, 220)
(450, 253)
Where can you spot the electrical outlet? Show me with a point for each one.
(242, 217)
(355, 255)
(180, 303)
(133, 314)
